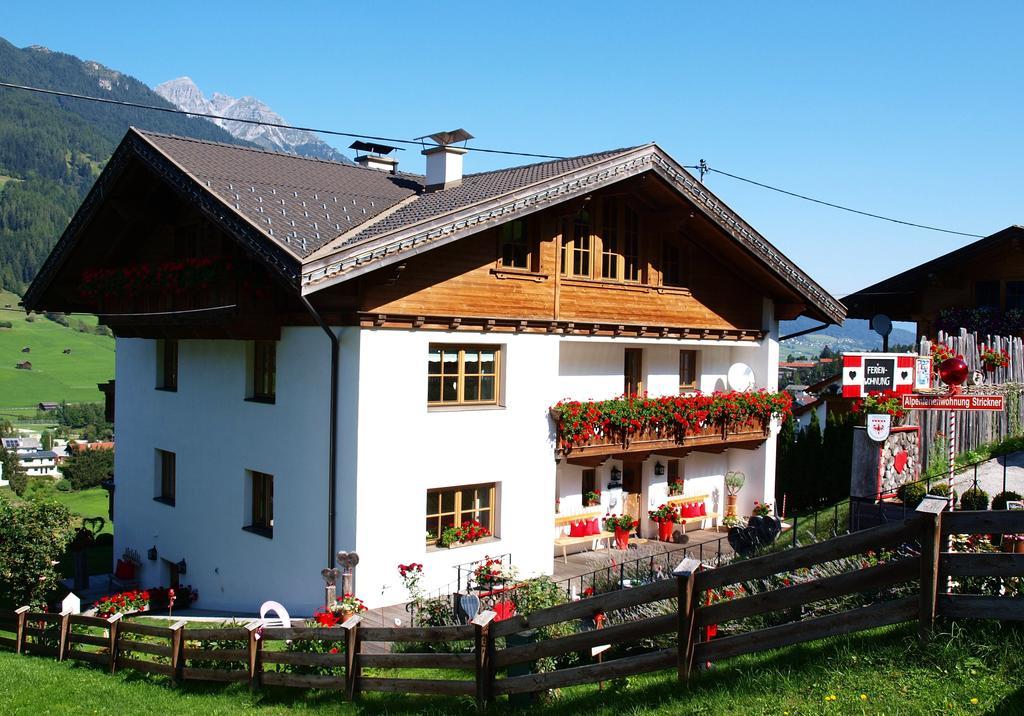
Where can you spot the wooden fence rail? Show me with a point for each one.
(653, 627)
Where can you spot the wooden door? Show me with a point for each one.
(632, 371)
(631, 486)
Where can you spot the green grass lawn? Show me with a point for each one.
(885, 671)
(54, 376)
(87, 503)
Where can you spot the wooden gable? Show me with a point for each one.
(480, 277)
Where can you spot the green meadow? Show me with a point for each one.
(54, 377)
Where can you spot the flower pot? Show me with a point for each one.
(621, 538)
(1018, 546)
(346, 614)
(990, 367)
(730, 505)
(665, 530)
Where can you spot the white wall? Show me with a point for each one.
(217, 436)
(404, 449)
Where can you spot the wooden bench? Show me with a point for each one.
(680, 500)
(566, 541)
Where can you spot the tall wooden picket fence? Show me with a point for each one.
(975, 428)
(658, 626)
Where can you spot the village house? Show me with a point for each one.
(39, 463)
(313, 356)
(979, 286)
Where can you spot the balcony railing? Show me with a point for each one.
(648, 440)
(668, 425)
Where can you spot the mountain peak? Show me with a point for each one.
(185, 94)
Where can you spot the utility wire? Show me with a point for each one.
(702, 166)
(175, 110)
(706, 168)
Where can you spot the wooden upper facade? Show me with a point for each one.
(156, 253)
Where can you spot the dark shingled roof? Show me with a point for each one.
(476, 188)
(300, 202)
(304, 203)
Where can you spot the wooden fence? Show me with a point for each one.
(656, 626)
(976, 428)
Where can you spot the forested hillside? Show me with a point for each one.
(52, 149)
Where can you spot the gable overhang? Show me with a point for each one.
(358, 259)
(283, 264)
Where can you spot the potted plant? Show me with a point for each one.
(880, 402)
(992, 358)
(734, 482)
(490, 573)
(675, 488)
(592, 498)
(345, 608)
(467, 532)
(622, 525)
(666, 516)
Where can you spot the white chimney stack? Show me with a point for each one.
(444, 162)
(374, 156)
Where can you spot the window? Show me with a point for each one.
(515, 245)
(261, 504)
(451, 506)
(986, 294)
(589, 483)
(611, 255)
(166, 480)
(1014, 295)
(687, 371)
(671, 269)
(262, 386)
(633, 371)
(631, 246)
(167, 364)
(576, 246)
(463, 375)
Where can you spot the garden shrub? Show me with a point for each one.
(88, 468)
(6, 324)
(226, 644)
(315, 646)
(911, 493)
(974, 499)
(33, 538)
(1000, 500)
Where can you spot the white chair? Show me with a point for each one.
(283, 619)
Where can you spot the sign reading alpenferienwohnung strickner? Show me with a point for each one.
(865, 373)
(953, 402)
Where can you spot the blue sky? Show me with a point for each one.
(909, 109)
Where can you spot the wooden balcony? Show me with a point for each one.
(665, 441)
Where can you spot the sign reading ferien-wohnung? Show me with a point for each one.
(865, 373)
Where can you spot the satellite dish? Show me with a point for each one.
(741, 377)
(881, 324)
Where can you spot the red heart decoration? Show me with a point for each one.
(900, 461)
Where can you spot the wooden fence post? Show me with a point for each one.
(21, 617)
(115, 631)
(483, 646)
(686, 608)
(255, 654)
(62, 642)
(177, 650)
(931, 550)
(352, 669)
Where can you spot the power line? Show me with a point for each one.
(704, 168)
(175, 110)
(701, 167)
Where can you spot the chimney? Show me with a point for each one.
(374, 156)
(444, 161)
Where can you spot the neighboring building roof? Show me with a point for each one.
(29, 443)
(317, 223)
(797, 364)
(38, 455)
(77, 445)
(891, 296)
(793, 388)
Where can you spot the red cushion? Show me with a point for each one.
(503, 610)
(703, 510)
(577, 529)
(690, 509)
(124, 570)
(594, 526)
